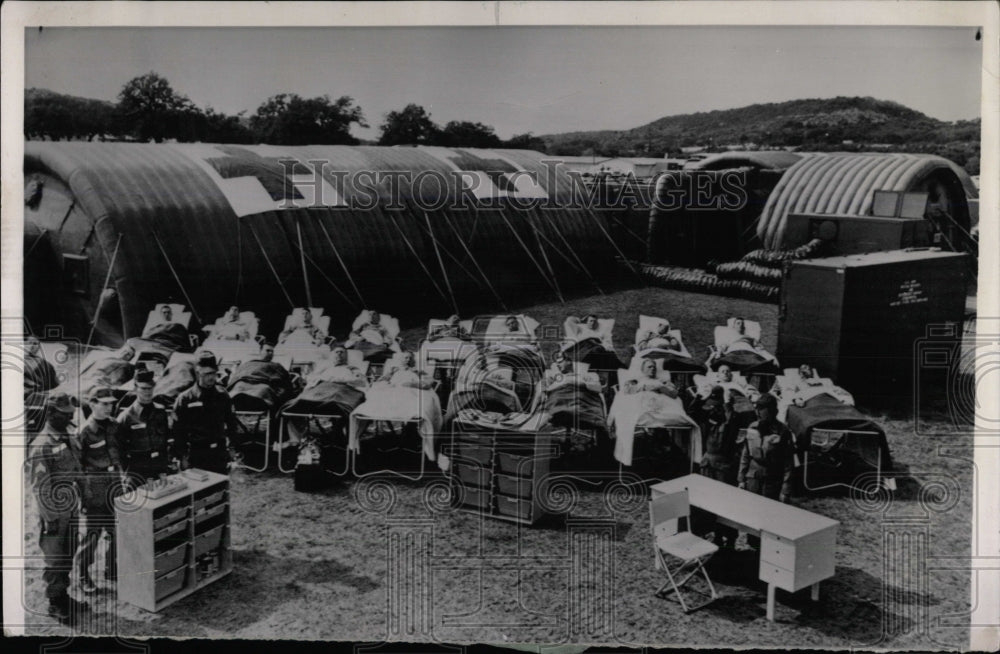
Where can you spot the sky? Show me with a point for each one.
(522, 79)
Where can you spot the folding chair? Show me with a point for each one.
(691, 551)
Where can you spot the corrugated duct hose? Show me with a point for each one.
(756, 276)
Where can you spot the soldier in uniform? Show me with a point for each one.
(722, 452)
(147, 445)
(102, 467)
(204, 420)
(768, 457)
(57, 480)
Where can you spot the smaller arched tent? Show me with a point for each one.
(762, 160)
(845, 183)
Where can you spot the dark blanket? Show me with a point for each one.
(592, 351)
(484, 398)
(259, 385)
(326, 398)
(143, 346)
(172, 335)
(111, 371)
(747, 362)
(575, 406)
(372, 352)
(828, 413)
(175, 380)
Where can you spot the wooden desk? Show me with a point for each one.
(796, 546)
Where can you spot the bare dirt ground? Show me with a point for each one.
(332, 565)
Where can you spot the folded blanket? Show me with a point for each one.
(630, 411)
(398, 404)
(592, 351)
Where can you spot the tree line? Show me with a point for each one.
(149, 109)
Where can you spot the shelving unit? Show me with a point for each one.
(160, 542)
(501, 472)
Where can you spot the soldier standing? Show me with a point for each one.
(145, 440)
(204, 420)
(57, 479)
(102, 465)
(768, 457)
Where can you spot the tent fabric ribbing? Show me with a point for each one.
(844, 183)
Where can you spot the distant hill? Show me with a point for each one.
(813, 124)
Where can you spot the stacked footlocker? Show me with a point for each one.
(501, 474)
(183, 536)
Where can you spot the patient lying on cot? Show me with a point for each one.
(304, 332)
(803, 385)
(648, 381)
(372, 331)
(650, 402)
(167, 330)
(562, 372)
(337, 369)
(661, 339)
(451, 329)
(231, 327)
(405, 374)
(402, 394)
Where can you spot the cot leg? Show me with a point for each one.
(770, 602)
(814, 592)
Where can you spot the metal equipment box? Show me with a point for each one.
(857, 318)
(845, 234)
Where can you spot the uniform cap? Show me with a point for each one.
(207, 360)
(62, 402)
(145, 376)
(101, 393)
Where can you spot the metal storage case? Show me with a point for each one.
(857, 318)
(159, 541)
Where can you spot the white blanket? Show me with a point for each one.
(398, 404)
(630, 411)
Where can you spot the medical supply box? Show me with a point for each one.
(173, 539)
(859, 318)
(849, 234)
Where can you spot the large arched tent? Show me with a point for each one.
(400, 229)
(845, 183)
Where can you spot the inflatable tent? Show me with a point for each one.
(272, 227)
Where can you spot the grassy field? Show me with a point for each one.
(322, 565)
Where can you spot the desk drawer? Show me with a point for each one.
(474, 475)
(780, 577)
(170, 583)
(475, 453)
(777, 550)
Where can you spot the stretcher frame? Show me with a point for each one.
(423, 459)
(880, 482)
(648, 432)
(259, 415)
(374, 424)
(311, 418)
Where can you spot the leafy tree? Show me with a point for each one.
(288, 119)
(525, 142)
(150, 109)
(55, 116)
(411, 126)
(466, 134)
